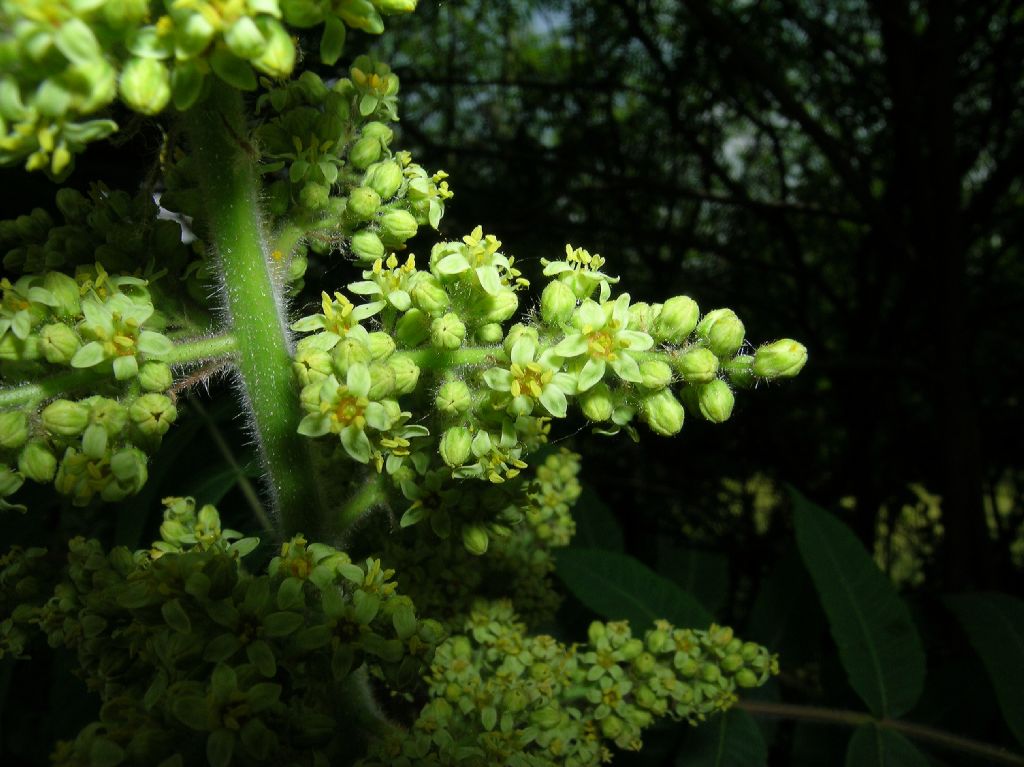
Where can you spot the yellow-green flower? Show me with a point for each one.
(532, 378)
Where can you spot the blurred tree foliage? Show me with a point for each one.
(851, 169)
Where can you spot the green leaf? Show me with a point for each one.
(704, 574)
(995, 626)
(731, 739)
(617, 586)
(220, 745)
(332, 42)
(873, 746)
(596, 525)
(878, 643)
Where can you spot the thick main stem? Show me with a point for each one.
(217, 129)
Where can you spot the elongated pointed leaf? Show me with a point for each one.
(596, 526)
(995, 625)
(617, 586)
(879, 646)
(704, 574)
(731, 739)
(873, 746)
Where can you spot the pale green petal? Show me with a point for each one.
(455, 263)
(557, 267)
(593, 371)
(154, 345)
(365, 288)
(523, 351)
(400, 300)
(481, 443)
(377, 416)
(571, 346)
(308, 324)
(620, 311)
(565, 382)
(627, 369)
(498, 379)
(634, 340)
(553, 399)
(358, 379)
(591, 315)
(125, 368)
(363, 311)
(356, 443)
(314, 425)
(89, 355)
(489, 279)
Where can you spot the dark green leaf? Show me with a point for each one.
(731, 739)
(617, 586)
(596, 526)
(704, 574)
(873, 746)
(995, 625)
(878, 643)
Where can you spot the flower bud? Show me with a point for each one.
(65, 418)
(407, 374)
(517, 331)
(557, 303)
(596, 402)
(723, 332)
(655, 374)
(715, 400)
(398, 225)
(611, 727)
(429, 295)
(13, 429)
(155, 376)
(413, 328)
(746, 678)
(697, 365)
(491, 333)
(243, 38)
(10, 481)
(367, 246)
(153, 414)
(677, 320)
(642, 316)
(392, 7)
(109, 414)
(314, 196)
(365, 152)
(453, 397)
(496, 308)
(277, 58)
(662, 412)
(447, 332)
(740, 371)
(456, 444)
(311, 366)
(58, 343)
(384, 178)
(128, 467)
(347, 352)
(363, 203)
(781, 359)
(145, 85)
(37, 462)
(475, 539)
(382, 381)
(380, 344)
(65, 290)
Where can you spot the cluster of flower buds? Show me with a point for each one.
(64, 62)
(199, 661)
(441, 362)
(445, 578)
(502, 697)
(332, 174)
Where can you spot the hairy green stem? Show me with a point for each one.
(857, 718)
(368, 496)
(30, 395)
(230, 182)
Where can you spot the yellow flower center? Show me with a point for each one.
(601, 345)
(529, 380)
(349, 410)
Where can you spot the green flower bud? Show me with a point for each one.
(367, 246)
(662, 412)
(314, 196)
(557, 303)
(365, 152)
(611, 727)
(153, 414)
(363, 203)
(677, 320)
(715, 400)
(380, 344)
(497, 308)
(453, 398)
(379, 131)
(393, 7)
(155, 376)
(128, 467)
(277, 58)
(596, 632)
(781, 359)
(596, 402)
(746, 678)
(10, 482)
(413, 328)
(65, 418)
(16, 349)
(145, 85)
(447, 332)
(37, 462)
(642, 316)
(517, 331)
(348, 352)
(723, 332)
(740, 371)
(456, 446)
(491, 333)
(94, 441)
(384, 178)
(13, 430)
(429, 296)
(475, 539)
(655, 374)
(65, 290)
(382, 381)
(59, 343)
(243, 38)
(697, 365)
(311, 365)
(398, 225)
(109, 414)
(407, 374)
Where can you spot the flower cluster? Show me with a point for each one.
(499, 696)
(65, 62)
(197, 660)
